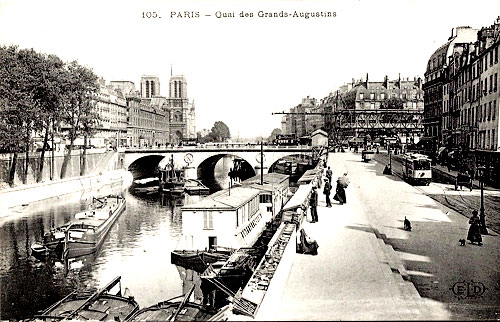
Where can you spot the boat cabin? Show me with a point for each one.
(230, 218)
(274, 191)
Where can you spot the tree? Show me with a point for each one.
(78, 109)
(220, 132)
(273, 135)
(393, 103)
(18, 108)
(49, 97)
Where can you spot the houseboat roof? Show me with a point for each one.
(270, 181)
(309, 175)
(222, 200)
(301, 197)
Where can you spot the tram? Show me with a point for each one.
(417, 168)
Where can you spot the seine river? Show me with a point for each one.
(137, 248)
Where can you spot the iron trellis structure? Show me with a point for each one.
(351, 122)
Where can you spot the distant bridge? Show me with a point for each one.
(202, 158)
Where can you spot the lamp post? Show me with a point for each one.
(388, 169)
(481, 172)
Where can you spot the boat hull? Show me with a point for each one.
(74, 248)
(197, 260)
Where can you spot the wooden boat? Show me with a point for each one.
(184, 310)
(171, 180)
(198, 260)
(85, 233)
(102, 305)
(195, 187)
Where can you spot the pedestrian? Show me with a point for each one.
(326, 191)
(329, 174)
(307, 245)
(313, 202)
(474, 234)
(342, 183)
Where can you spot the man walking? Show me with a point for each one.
(313, 202)
(329, 174)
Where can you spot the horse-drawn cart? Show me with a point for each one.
(367, 155)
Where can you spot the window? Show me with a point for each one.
(372, 96)
(491, 57)
(361, 96)
(372, 106)
(496, 55)
(491, 83)
(382, 96)
(496, 82)
(489, 111)
(207, 220)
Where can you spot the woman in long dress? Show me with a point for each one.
(474, 234)
(307, 245)
(342, 183)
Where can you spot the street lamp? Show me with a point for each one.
(481, 172)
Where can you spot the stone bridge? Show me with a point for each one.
(198, 159)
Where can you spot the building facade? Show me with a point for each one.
(461, 90)
(111, 106)
(363, 108)
(436, 118)
(464, 116)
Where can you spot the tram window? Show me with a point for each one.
(421, 165)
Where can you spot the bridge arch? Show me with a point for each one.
(206, 167)
(146, 165)
(193, 157)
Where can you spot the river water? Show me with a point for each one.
(137, 248)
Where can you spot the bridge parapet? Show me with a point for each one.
(227, 147)
(194, 156)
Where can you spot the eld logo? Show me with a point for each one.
(466, 290)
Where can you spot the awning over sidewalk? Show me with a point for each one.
(300, 197)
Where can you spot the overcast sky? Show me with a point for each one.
(240, 70)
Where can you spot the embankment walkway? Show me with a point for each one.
(355, 276)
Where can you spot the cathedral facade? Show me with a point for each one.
(180, 111)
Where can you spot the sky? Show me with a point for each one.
(242, 69)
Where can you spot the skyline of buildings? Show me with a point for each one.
(143, 117)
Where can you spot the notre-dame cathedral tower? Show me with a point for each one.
(179, 111)
(182, 112)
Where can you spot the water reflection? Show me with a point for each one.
(137, 247)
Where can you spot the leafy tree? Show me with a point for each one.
(220, 132)
(273, 135)
(81, 87)
(394, 103)
(49, 97)
(18, 109)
